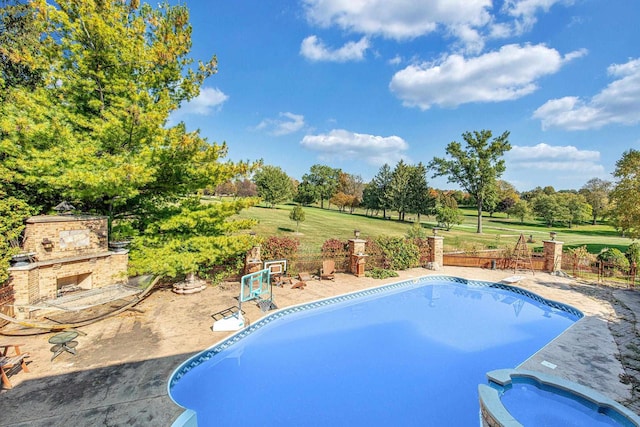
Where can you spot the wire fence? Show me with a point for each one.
(591, 269)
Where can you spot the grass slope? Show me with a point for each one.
(499, 231)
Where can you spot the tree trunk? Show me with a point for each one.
(479, 229)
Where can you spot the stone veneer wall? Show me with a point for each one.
(78, 252)
(357, 257)
(38, 281)
(69, 236)
(552, 255)
(436, 250)
(487, 419)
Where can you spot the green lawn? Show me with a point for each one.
(499, 231)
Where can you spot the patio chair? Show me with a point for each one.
(8, 362)
(328, 270)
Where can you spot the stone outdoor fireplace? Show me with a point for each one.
(63, 254)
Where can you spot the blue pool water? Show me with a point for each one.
(537, 399)
(407, 354)
(533, 405)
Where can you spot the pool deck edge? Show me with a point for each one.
(491, 403)
(120, 373)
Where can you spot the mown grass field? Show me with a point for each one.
(499, 231)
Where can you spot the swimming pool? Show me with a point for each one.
(409, 353)
(527, 398)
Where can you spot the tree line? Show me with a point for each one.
(403, 190)
(86, 91)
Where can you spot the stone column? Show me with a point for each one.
(118, 265)
(252, 260)
(357, 257)
(25, 289)
(436, 252)
(552, 255)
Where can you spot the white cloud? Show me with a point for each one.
(530, 7)
(544, 157)
(288, 123)
(314, 49)
(470, 38)
(396, 60)
(340, 144)
(524, 12)
(397, 20)
(500, 30)
(468, 22)
(507, 74)
(619, 103)
(208, 101)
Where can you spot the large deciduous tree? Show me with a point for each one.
(625, 196)
(273, 185)
(577, 207)
(596, 191)
(352, 187)
(520, 210)
(550, 208)
(94, 129)
(504, 197)
(322, 181)
(246, 188)
(12, 214)
(476, 167)
(19, 46)
(306, 194)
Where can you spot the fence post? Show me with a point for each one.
(552, 255)
(436, 251)
(252, 261)
(357, 257)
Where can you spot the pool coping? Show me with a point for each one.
(222, 345)
(501, 380)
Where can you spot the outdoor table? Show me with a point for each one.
(63, 341)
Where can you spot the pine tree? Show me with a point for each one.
(95, 131)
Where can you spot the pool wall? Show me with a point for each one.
(494, 413)
(188, 418)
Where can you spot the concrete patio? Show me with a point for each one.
(119, 376)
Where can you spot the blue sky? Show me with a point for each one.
(355, 84)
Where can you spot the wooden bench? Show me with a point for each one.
(9, 362)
